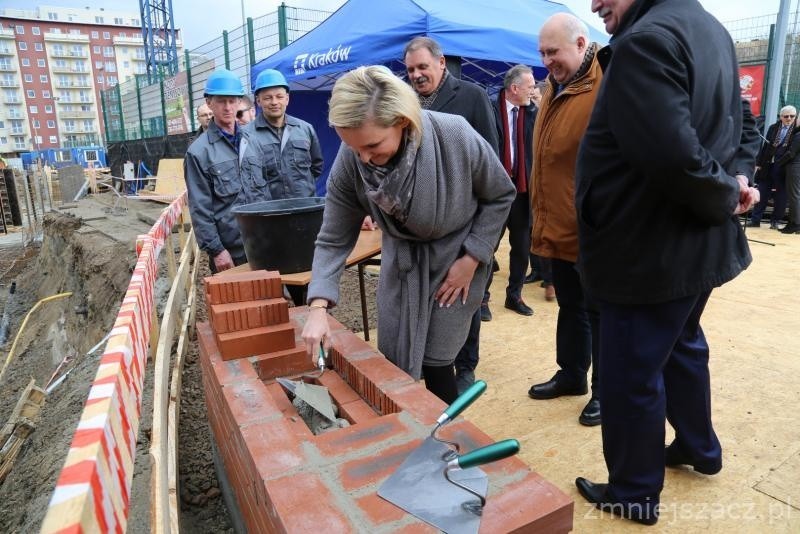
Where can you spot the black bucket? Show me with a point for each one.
(279, 235)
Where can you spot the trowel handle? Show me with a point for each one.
(462, 402)
(484, 455)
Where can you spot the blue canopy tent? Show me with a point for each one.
(488, 36)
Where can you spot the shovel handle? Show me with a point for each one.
(462, 402)
(489, 453)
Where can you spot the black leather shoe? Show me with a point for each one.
(773, 226)
(791, 228)
(553, 389)
(486, 313)
(590, 416)
(754, 224)
(597, 494)
(519, 306)
(533, 277)
(464, 379)
(674, 456)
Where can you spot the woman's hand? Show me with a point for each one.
(316, 329)
(457, 281)
(368, 223)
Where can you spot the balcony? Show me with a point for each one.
(77, 115)
(70, 70)
(12, 101)
(67, 37)
(9, 83)
(6, 32)
(128, 40)
(77, 130)
(17, 131)
(73, 85)
(69, 53)
(5, 51)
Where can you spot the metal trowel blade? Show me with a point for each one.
(315, 396)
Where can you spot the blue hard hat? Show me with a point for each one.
(223, 82)
(270, 78)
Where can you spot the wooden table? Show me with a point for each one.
(367, 247)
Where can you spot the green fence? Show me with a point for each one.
(138, 108)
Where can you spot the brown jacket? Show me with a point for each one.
(560, 126)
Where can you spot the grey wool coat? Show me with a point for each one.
(461, 199)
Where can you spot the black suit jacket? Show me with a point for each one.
(529, 117)
(460, 97)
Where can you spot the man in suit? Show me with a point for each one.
(438, 90)
(515, 115)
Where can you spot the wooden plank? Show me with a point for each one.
(159, 444)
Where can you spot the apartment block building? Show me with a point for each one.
(54, 61)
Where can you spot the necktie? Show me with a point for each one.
(782, 135)
(513, 141)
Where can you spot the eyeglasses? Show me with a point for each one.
(241, 112)
(787, 116)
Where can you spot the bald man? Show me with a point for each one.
(204, 116)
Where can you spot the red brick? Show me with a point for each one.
(243, 286)
(341, 392)
(296, 424)
(305, 504)
(236, 316)
(417, 528)
(357, 412)
(256, 341)
(374, 469)
(420, 403)
(249, 402)
(283, 363)
(273, 447)
(378, 510)
(348, 344)
(358, 437)
(530, 505)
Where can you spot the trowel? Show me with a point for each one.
(440, 487)
(315, 396)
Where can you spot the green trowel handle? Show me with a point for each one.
(490, 453)
(463, 401)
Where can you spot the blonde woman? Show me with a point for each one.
(439, 194)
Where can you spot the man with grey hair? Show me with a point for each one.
(204, 116)
(572, 86)
(515, 116)
(438, 90)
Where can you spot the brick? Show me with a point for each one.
(366, 435)
(341, 392)
(420, 403)
(273, 447)
(283, 363)
(239, 287)
(296, 424)
(249, 402)
(348, 344)
(417, 528)
(237, 316)
(378, 510)
(530, 505)
(305, 504)
(374, 469)
(256, 341)
(357, 412)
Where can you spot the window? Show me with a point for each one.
(43, 78)
(34, 109)
(41, 63)
(137, 35)
(31, 93)
(100, 79)
(124, 50)
(69, 125)
(85, 96)
(36, 31)
(80, 66)
(111, 80)
(53, 139)
(111, 66)
(8, 80)
(48, 109)
(61, 64)
(5, 64)
(123, 34)
(2, 125)
(55, 30)
(135, 22)
(118, 20)
(3, 140)
(98, 64)
(108, 51)
(38, 139)
(97, 49)
(45, 94)
(51, 124)
(27, 62)
(37, 124)
(95, 35)
(74, 32)
(58, 50)
(23, 45)
(19, 143)
(20, 30)
(52, 16)
(106, 35)
(16, 126)
(28, 78)
(88, 125)
(98, 20)
(126, 64)
(77, 50)
(38, 47)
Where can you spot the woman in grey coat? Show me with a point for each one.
(439, 194)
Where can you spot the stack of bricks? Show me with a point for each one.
(285, 478)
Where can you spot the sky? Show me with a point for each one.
(203, 20)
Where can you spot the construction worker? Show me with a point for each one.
(290, 150)
(222, 169)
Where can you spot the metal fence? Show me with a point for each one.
(755, 44)
(165, 105)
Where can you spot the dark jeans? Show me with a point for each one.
(467, 358)
(771, 184)
(544, 267)
(576, 328)
(519, 237)
(653, 364)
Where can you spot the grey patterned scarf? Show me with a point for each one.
(427, 101)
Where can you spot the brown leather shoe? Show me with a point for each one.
(550, 293)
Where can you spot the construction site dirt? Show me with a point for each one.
(90, 251)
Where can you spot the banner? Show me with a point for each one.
(751, 82)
